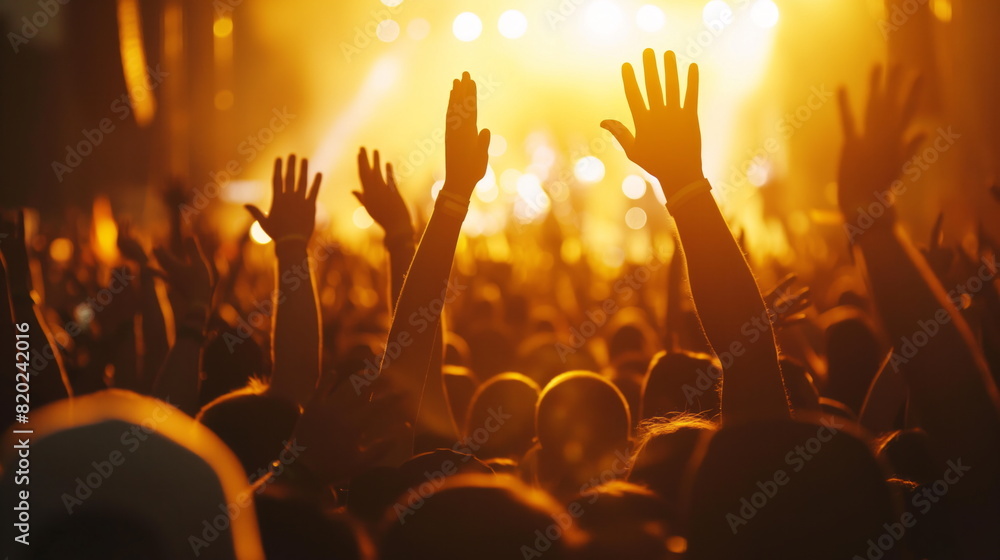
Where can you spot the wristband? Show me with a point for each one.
(293, 237)
(452, 204)
(688, 192)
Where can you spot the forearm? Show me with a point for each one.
(401, 250)
(732, 312)
(418, 314)
(435, 425)
(178, 381)
(296, 332)
(155, 345)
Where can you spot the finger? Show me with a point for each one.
(892, 83)
(874, 98)
(621, 133)
(472, 94)
(390, 177)
(671, 78)
(484, 142)
(361, 197)
(846, 117)
(256, 213)
(276, 180)
(937, 233)
(635, 103)
(910, 103)
(785, 282)
(654, 93)
(377, 165)
(314, 192)
(303, 177)
(290, 175)
(167, 261)
(691, 96)
(363, 170)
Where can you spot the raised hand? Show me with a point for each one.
(381, 198)
(667, 140)
(191, 276)
(293, 207)
(465, 145)
(873, 158)
(784, 305)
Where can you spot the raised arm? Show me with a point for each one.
(385, 205)
(48, 377)
(667, 144)
(190, 277)
(296, 332)
(155, 345)
(426, 288)
(950, 386)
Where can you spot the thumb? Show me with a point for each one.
(256, 213)
(620, 132)
(361, 197)
(484, 141)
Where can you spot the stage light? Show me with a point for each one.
(941, 10)
(362, 219)
(512, 24)
(467, 26)
(764, 13)
(498, 146)
(635, 218)
(258, 234)
(650, 18)
(387, 30)
(418, 29)
(223, 26)
(717, 14)
(634, 187)
(604, 17)
(589, 169)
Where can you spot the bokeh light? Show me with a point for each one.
(717, 14)
(764, 13)
(418, 29)
(392, 3)
(387, 30)
(604, 17)
(635, 218)
(258, 234)
(61, 249)
(589, 169)
(467, 26)
(650, 18)
(362, 219)
(223, 27)
(634, 187)
(512, 24)
(498, 146)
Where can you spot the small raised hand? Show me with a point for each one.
(191, 275)
(667, 139)
(873, 158)
(465, 146)
(293, 206)
(381, 198)
(129, 246)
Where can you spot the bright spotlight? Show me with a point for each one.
(589, 169)
(604, 17)
(717, 14)
(764, 13)
(467, 26)
(387, 30)
(634, 187)
(512, 24)
(650, 18)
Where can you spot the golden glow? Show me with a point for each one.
(104, 234)
(61, 249)
(133, 56)
(362, 219)
(512, 24)
(604, 17)
(717, 13)
(223, 26)
(467, 26)
(764, 13)
(258, 234)
(418, 29)
(941, 10)
(650, 18)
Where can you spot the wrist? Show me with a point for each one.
(686, 193)
(399, 239)
(290, 245)
(452, 204)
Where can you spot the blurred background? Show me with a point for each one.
(107, 103)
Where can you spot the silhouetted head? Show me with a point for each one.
(298, 529)
(501, 417)
(229, 362)
(681, 382)
(624, 520)
(583, 427)
(459, 385)
(787, 490)
(253, 423)
(853, 356)
(482, 517)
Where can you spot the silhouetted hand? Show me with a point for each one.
(293, 209)
(873, 158)
(190, 276)
(785, 305)
(129, 246)
(465, 146)
(381, 198)
(667, 140)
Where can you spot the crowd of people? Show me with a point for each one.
(184, 402)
